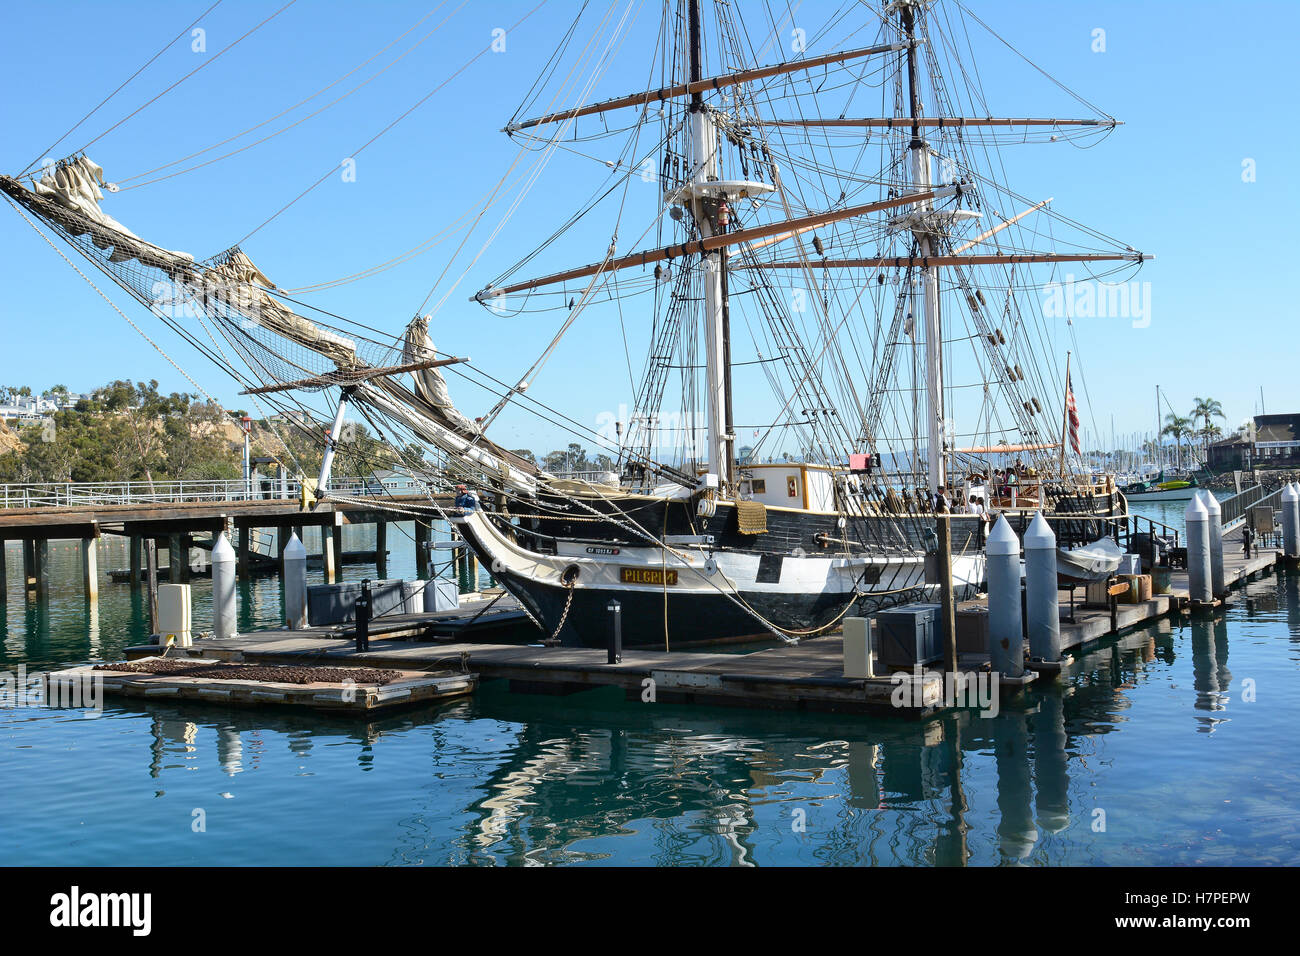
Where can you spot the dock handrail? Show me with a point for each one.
(1074, 529)
(72, 494)
(1236, 507)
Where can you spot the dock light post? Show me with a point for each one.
(362, 616)
(615, 655)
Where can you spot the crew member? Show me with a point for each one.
(466, 500)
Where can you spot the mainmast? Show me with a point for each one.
(705, 210)
(923, 223)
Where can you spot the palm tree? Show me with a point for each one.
(1204, 409)
(1178, 427)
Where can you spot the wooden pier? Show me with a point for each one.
(171, 527)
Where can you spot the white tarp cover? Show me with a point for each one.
(430, 386)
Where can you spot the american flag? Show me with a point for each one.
(1072, 413)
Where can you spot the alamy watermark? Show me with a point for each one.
(77, 690)
(978, 689)
(1091, 299)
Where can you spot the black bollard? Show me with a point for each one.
(1245, 540)
(362, 617)
(615, 655)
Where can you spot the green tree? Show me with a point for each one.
(1178, 427)
(1204, 409)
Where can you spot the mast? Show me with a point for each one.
(716, 334)
(924, 230)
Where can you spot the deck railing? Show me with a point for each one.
(100, 493)
(1236, 507)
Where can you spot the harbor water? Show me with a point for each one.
(1165, 746)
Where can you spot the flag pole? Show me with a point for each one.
(1065, 414)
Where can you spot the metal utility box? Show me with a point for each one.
(336, 603)
(909, 635)
(174, 615)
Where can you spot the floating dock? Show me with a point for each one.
(806, 676)
(335, 689)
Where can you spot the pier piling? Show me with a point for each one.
(328, 554)
(1042, 592)
(41, 568)
(295, 583)
(133, 546)
(421, 549)
(1215, 513)
(1291, 520)
(381, 550)
(178, 558)
(1199, 572)
(90, 569)
(241, 555)
(151, 582)
(1006, 627)
(223, 588)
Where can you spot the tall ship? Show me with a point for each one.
(849, 367)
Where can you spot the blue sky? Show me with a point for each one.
(1200, 92)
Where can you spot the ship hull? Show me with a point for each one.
(683, 595)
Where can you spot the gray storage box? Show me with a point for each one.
(909, 635)
(336, 603)
(442, 595)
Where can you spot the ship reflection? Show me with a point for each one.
(592, 777)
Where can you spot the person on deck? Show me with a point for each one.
(466, 500)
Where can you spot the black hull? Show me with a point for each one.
(692, 618)
(709, 616)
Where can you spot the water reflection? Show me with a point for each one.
(518, 779)
(1210, 670)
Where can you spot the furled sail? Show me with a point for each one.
(234, 277)
(430, 385)
(68, 195)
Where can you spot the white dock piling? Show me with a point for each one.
(1215, 512)
(1041, 603)
(223, 588)
(1199, 573)
(1291, 520)
(295, 584)
(1006, 627)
